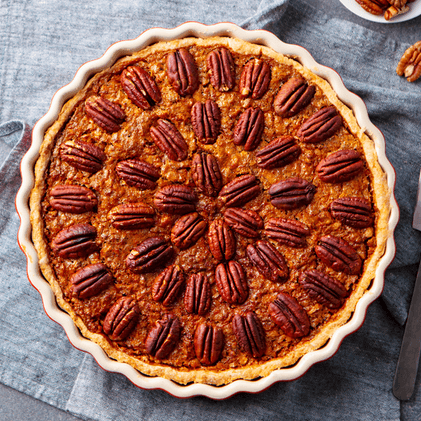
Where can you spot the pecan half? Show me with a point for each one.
(137, 173)
(206, 173)
(132, 216)
(197, 297)
(163, 337)
(290, 232)
(140, 87)
(222, 69)
(121, 319)
(182, 72)
(231, 282)
(375, 7)
(294, 95)
(245, 222)
(73, 199)
(324, 289)
(250, 334)
(75, 241)
(176, 199)
(169, 140)
(221, 240)
(278, 153)
(90, 280)
(151, 254)
(83, 156)
(320, 126)
(249, 129)
(168, 285)
(340, 166)
(239, 191)
(268, 261)
(355, 212)
(187, 230)
(208, 343)
(291, 193)
(410, 63)
(339, 255)
(290, 316)
(254, 79)
(206, 121)
(106, 114)
(398, 7)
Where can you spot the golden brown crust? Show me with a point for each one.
(258, 368)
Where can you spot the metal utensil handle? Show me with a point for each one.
(407, 367)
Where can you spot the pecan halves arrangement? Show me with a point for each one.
(409, 65)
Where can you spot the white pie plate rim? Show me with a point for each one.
(51, 308)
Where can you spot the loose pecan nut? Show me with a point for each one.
(75, 241)
(320, 126)
(83, 156)
(151, 254)
(250, 334)
(169, 140)
(255, 79)
(375, 7)
(323, 288)
(294, 95)
(398, 7)
(140, 87)
(290, 316)
(182, 72)
(206, 121)
(208, 343)
(278, 153)
(137, 173)
(90, 280)
(290, 232)
(187, 230)
(121, 319)
(339, 255)
(168, 285)
(291, 193)
(163, 337)
(176, 199)
(410, 63)
(231, 282)
(340, 166)
(222, 69)
(245, 222)
(221, 240)
(239, 191)
(206, 173)
(249, 129)
(355, 212)
(197, 297)
(268, 261)
(132, 216)
(73, 199)
(106, 114)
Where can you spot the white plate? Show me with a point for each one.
(354, 7)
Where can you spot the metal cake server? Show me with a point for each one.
(407, 367)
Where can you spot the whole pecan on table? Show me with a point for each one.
(163, 337)
(83, 156)
(208, 343)
(410, 63)
(168, 285)
(90, 280)
(254, 79)
(250, 334)
(132, 216)
(198, 295)
(121, 319)
(182, 72)
(140, 87)
(206, 121)
(221, 67)
(106, 114)
(137, 173)
(73, 199)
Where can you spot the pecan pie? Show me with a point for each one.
(207, 210)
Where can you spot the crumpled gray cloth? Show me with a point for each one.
(35, 355)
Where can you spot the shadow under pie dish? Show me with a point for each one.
(207, 210)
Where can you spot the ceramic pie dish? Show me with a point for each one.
(251, 345)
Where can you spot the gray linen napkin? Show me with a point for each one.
(35, 355)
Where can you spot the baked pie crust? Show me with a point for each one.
(260, 294)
